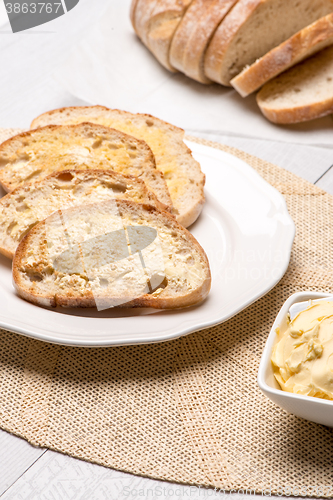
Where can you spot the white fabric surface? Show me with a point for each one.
(111, 66)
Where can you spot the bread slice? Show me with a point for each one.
(24, 207)
(181, 172)
(302, 93)
(254, 27)
(37, 153)
(193, 35)
(305, 43)
(80, 257)
(155, 23)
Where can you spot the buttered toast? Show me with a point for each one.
(24, 207)
(182, 173)
(37, 153)
(111, 253)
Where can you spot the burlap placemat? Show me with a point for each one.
(189, 410)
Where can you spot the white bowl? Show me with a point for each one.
(315, 409)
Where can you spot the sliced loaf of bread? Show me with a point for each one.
(155, 23)
(37, 153)
(115, 253)
(173, 158)
(24, 207)
(193, 35)
(302, 93)
(254, 27)
(305, 43)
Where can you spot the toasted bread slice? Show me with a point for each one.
(302, 93)
(114, 253)
(24, 207)
(37, 153)
(155, 23)
(254, 27)
(305, 43)
(181, 172)
(195, 30)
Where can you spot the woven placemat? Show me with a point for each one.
(188, 410)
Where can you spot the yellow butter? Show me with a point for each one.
(303, 356)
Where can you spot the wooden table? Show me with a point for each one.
(27, 61)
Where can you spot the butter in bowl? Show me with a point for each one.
(296, 368)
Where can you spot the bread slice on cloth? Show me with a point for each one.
(115, 253)
(302, 93)
(24, 207)
(193, 35)
(254, 27)
(37, 153)
(155, 22)
(182, 173)
(305, 43)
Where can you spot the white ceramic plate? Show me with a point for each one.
(247, 234)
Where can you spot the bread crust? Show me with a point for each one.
(305, 43)
(189, 209)
(142, 12)
(194, 34)
(316, 72)
(132, 13)
(224, 35)
(297, 114)
(38, 121)
(191, 298)
(230, 49)
(156, 23)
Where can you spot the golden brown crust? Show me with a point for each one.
(305, 43)
(65, 300)
(132, 12)
(69, 109)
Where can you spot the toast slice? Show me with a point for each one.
(114, 253)
(193, 35)
(254, 27)
(155, 23)
(302, 93)
(305, 43)
(24, 207)
(37, 153)
(173, 158)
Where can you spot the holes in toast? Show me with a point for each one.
(149, 122)
(113, 146)
(297, 90)
(3, 161)
(65, 177)
(22, 208)
(155, 283)
(11, 226)
(35, 277)
(329, 79)
(117, 187)
(103, 282)
(97, 144)
(23, 157)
